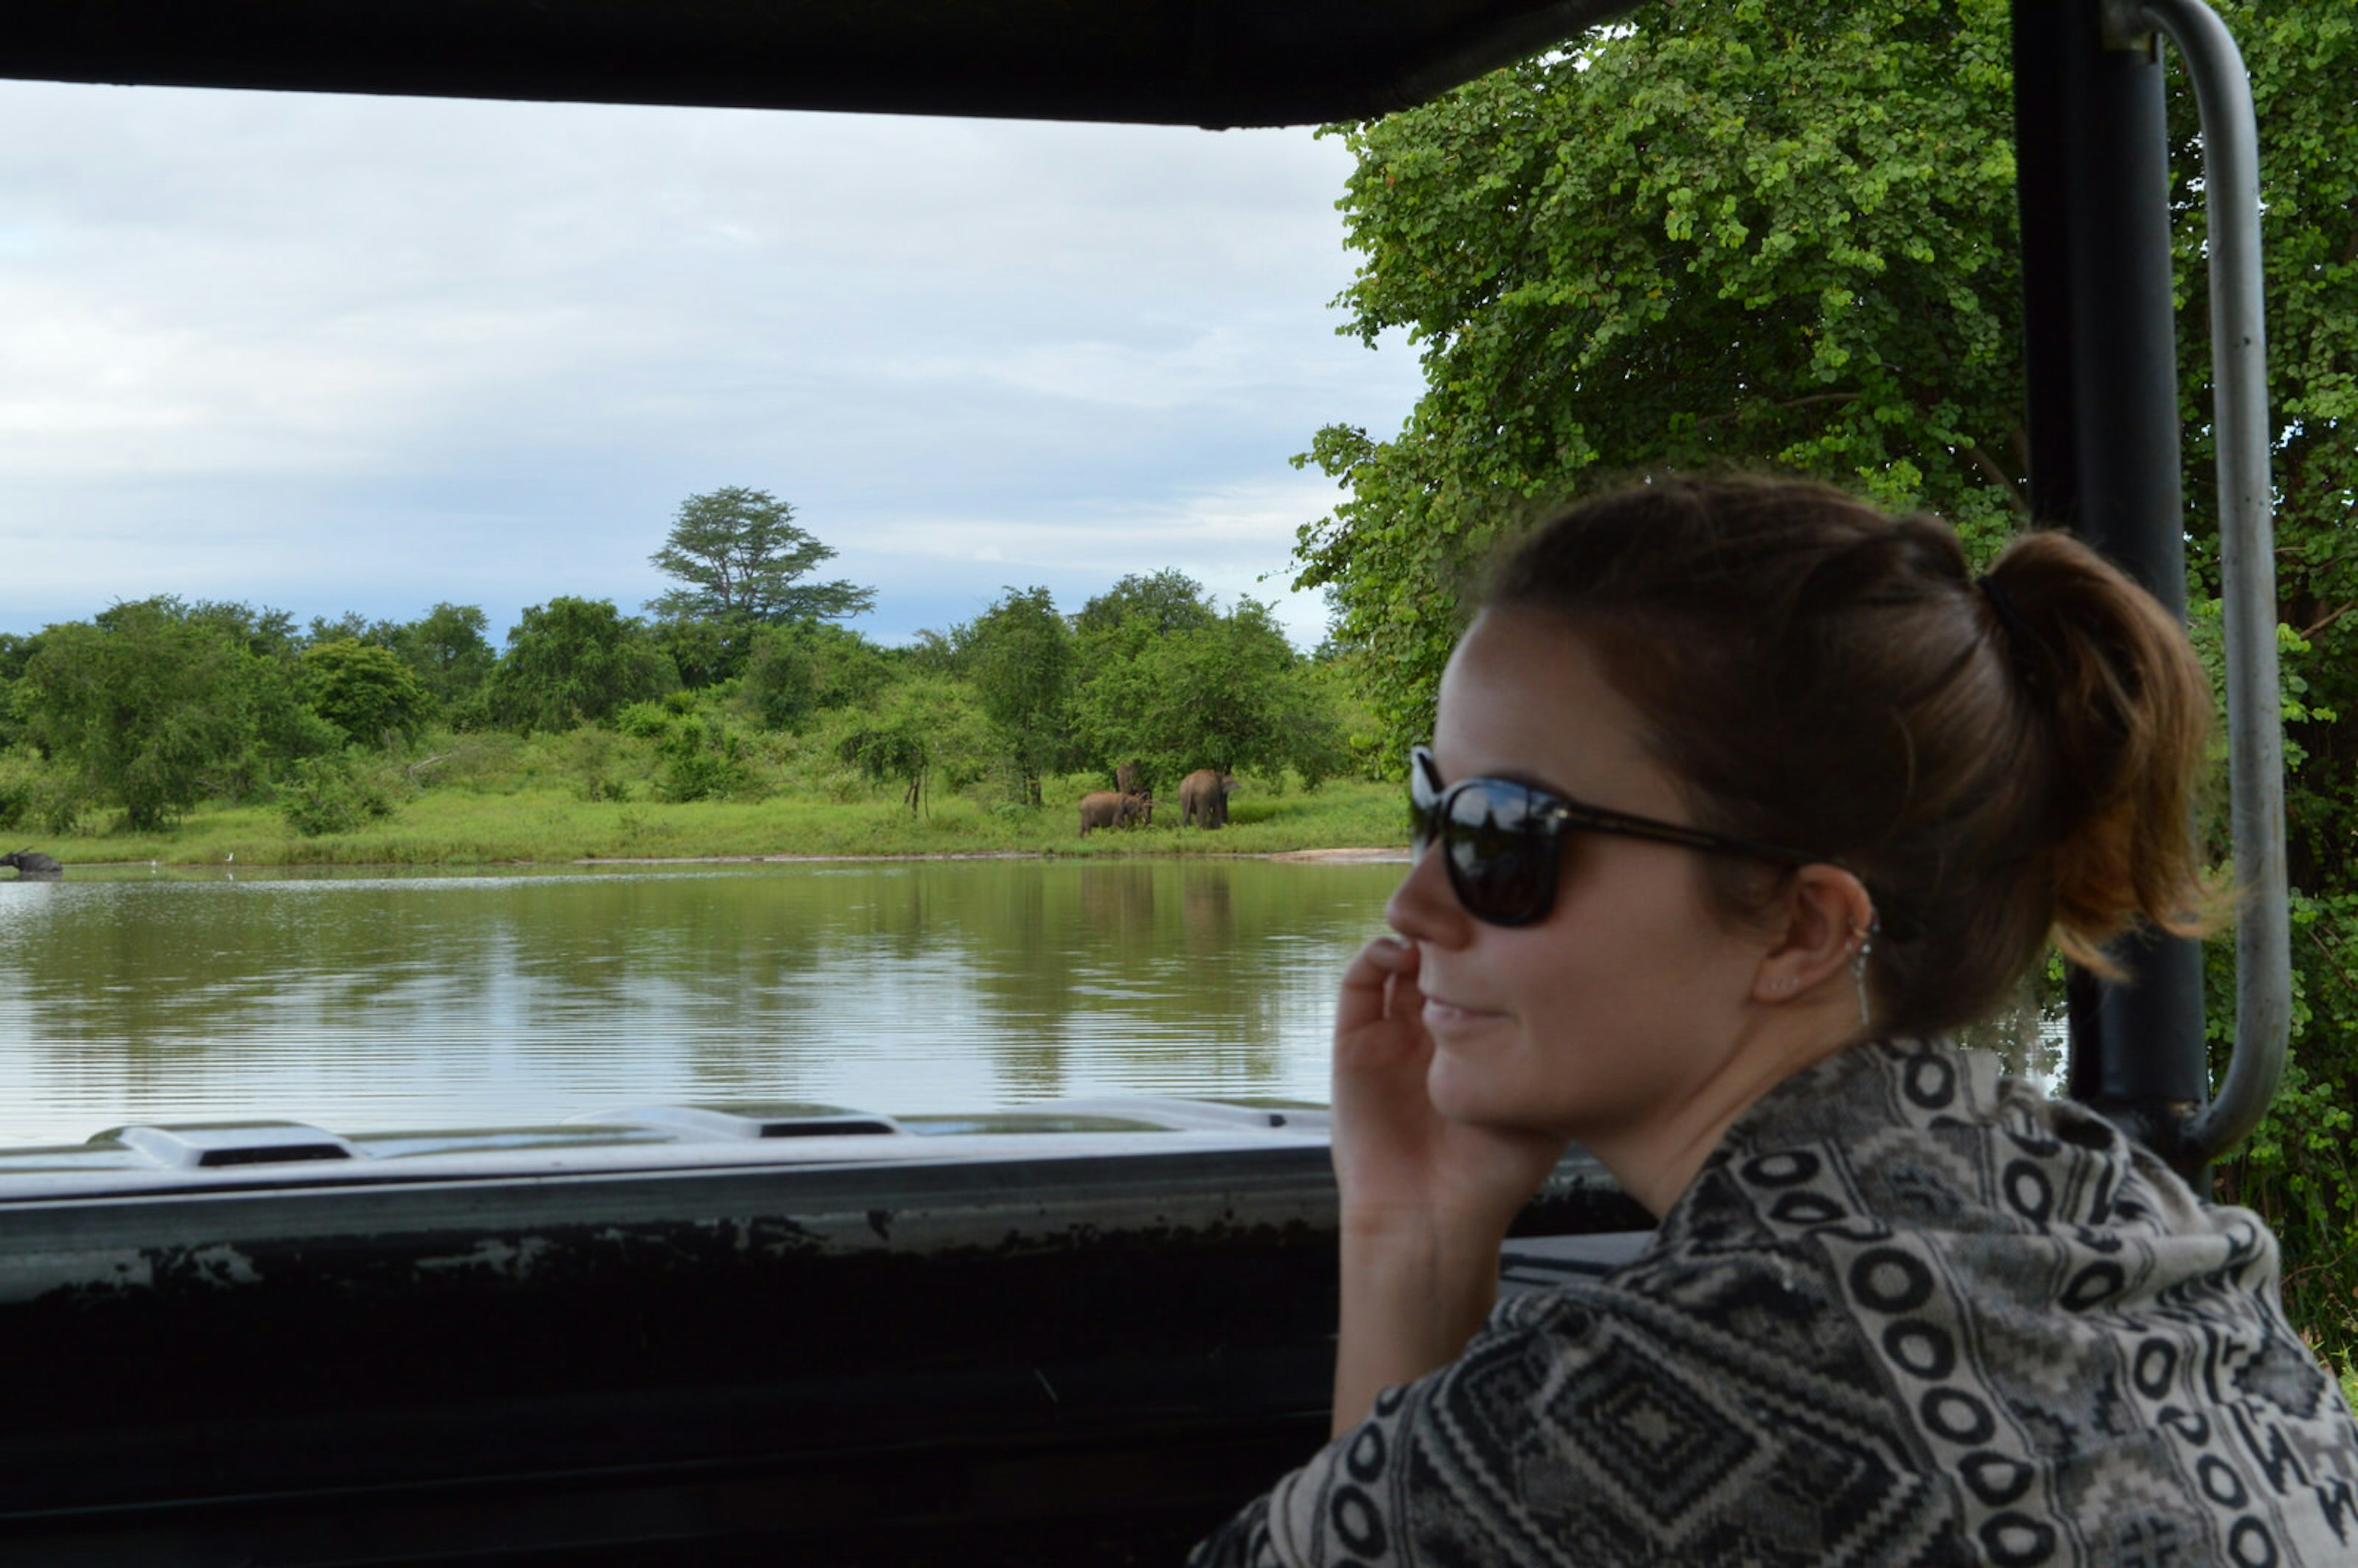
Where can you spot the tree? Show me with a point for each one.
(445, 649)
(143, 704)
(1167, 601)
(16, 653)
(1230, 693)
(1731, 232)
(286, 727)
(705, 653)
(575, 661)
(1019, 654)
(796, 672)
(365, 690)
(742, 557)
(448, 650)
(920, 728)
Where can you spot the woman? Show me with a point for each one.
(1741, 795)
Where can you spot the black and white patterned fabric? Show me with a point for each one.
(1910, 1311)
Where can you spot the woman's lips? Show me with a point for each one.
(1440, 1014)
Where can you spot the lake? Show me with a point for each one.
(380, 1002)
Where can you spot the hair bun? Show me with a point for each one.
(2021, 642)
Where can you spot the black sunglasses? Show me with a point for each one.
(1504, 841)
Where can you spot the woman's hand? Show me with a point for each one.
(1400, 1164)
(1425, 1201)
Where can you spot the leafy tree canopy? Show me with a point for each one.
(1228, 693)
(1167, 601)
(448, 650)
(1019, 654)
(795, 672)
(742, 559)
(576, 660)
(921, 733)
(144, 702)
(365, 690)
(1744, 232)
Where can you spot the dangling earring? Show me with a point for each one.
(1866, 937)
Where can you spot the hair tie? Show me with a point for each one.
(2010, 620)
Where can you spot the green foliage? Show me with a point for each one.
(700, 756)
(285, 726)
(141, 704)
(450, 653)
(797, 671)
(1167, 601)
(703, 758)
(1174, 692)
(1019, 654)
(33, 795)
(366, 691)
(335, 793)
(2302, 55)
(742, 559)
(16, 653)
(926, 728)
(575, 661)
(1725, 233)
(705, 653)
(523, 802)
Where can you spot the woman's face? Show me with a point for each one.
(1619, 1009)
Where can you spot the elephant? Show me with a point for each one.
(1204, 798)
(1111, 808)
(32, 863)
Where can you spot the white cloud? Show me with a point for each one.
(328, 353)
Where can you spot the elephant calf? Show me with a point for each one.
(1111, 808)
(32, 863)
(1204, 798)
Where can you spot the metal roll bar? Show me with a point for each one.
(2231, 181)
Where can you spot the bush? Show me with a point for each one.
(645, 720)
(38, 794)
(702, 757)
(21, 784)
(335, 794)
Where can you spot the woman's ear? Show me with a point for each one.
(1828, 913)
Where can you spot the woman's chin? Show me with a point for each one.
(1469, 1090)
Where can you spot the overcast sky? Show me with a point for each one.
(341, 353)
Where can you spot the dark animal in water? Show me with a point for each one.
(32, 863)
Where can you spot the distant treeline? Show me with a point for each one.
(150, 707)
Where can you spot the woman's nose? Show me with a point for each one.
(1423, 907)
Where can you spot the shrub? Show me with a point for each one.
(334, 795)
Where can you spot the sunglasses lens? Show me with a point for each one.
(1500, 841)
(1424, 801)
(1501, 858)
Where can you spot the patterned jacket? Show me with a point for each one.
(1910, 1311)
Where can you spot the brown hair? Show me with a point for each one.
(2001, 762)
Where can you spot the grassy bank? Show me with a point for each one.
(547, 821)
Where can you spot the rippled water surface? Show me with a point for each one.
(368, 1004)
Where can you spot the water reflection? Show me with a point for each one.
(374, 1002)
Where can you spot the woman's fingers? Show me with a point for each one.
(1381, 1011)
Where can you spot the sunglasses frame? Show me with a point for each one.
(1552, 815)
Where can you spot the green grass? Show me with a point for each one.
(542, 820)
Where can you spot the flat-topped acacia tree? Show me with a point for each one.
(744, 559)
